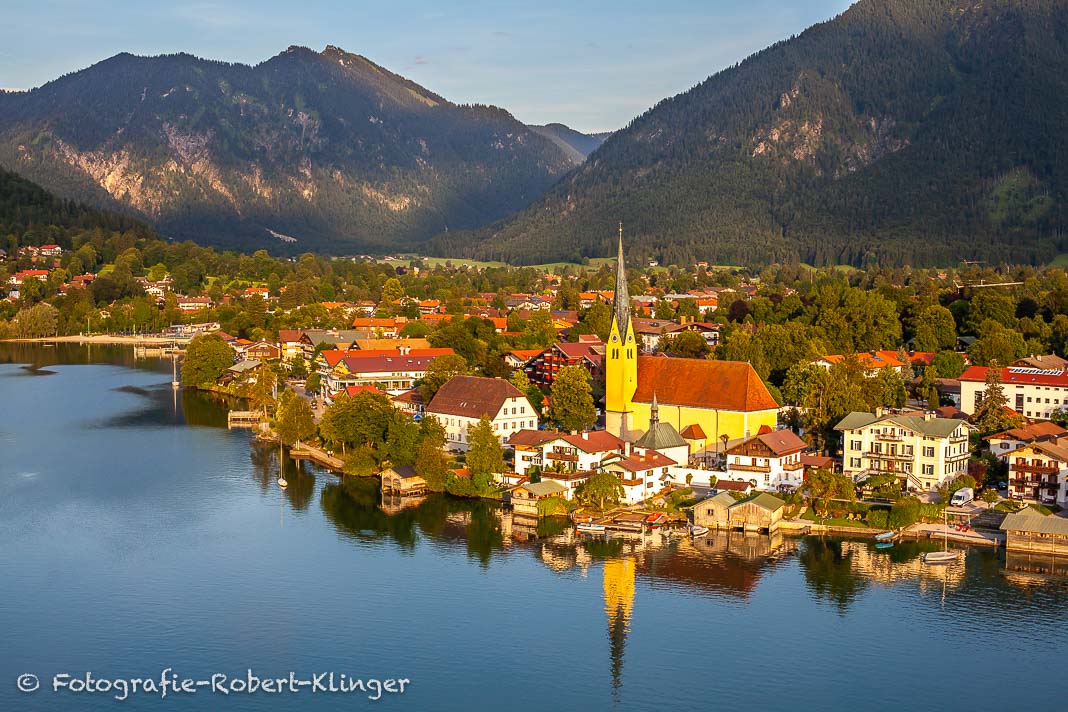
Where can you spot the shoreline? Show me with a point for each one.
(101, 339)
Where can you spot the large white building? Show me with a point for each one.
(1031, 392)
(922, 450)
(549, 450)
(464, 400)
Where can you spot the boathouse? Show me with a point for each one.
(761, 512)
(1030, 530)
(525, 497)
(713, 511)
(402, 481)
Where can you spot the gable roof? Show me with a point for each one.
(700, 383)
(532, 438)
(545, 488)
(693, 432)
(782, 442)
(1021, 376)
(661, 437)
(764, 501)
(934, 427)
(473, 397)
(1032, 520)
(1030, 432)
(644, 462)
(723, 498)
(732, 485)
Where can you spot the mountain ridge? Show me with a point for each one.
(897, 132)
(327, 146)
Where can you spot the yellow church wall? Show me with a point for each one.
(734, 424)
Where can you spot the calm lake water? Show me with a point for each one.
(137, 533)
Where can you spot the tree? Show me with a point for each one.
(206, 358)
(991, 497)
(799, 382)
(392, 291)
(992, 415)
(601, 488)
(996, 343)
(533, 393)
(571, 399)
(37, 321)
(823, 485)
(948, 364)
(314, 382)
(430, 460)
(935, 329)
(295, 420)
(440, 371)
(261, 393)
(485, 456)
(687, 344)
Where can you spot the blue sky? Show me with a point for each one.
(593, 65)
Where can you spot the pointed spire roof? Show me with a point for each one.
(622, 295)
(654, 413)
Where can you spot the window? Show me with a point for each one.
(928, 469)
(855, 445)
(928, 452)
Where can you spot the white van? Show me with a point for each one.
(962, 496)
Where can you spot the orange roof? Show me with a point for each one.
(693, 432)
(878, 359)
(525, 354)
(353, 390)
(368, 322)
(699, 383)
(649, 460)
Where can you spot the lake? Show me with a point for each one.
(139, 534)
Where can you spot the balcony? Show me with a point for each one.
(749, 468)
(792, 466)
(888, 456)
(1034, 469)
(562, 457)
(889, 436)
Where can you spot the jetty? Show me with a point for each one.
(303, 451)
(243, 418)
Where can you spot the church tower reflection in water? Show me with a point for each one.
(618, 604)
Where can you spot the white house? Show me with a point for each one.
(551, 451)
(464, 400)
(643, 473)
(771, 458)
(1006, 442)
(1031, 392)
(921, 450)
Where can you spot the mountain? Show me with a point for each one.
(325, 147)
(899, 132)
(575, 144)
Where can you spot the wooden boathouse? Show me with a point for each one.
(402, 481)
(1031, 531)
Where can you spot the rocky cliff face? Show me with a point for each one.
(324, 146)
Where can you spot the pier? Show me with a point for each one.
(303, 451)
(243, 418)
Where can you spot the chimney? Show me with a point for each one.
(928, 415)
(585, 435)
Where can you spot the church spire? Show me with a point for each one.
(654, 413)
(622, 296)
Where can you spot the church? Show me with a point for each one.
(706, 401)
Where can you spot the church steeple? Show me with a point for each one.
(654, 413)
(622, 295)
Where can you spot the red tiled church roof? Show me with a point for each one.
(699, 383)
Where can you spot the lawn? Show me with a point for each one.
(834, 521)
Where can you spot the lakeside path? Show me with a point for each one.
(103, 339)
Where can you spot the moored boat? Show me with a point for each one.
(886, 536)
(698, 531)
(590, 527)
(941, 557)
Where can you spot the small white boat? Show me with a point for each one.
(941, 557)
(282, 482)
(590, 527)
(698, 531)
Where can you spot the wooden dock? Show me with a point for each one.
(243, 418)
(319, 457)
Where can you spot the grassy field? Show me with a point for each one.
(1060, 260)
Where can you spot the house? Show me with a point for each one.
(1030, 530)
(381, 327)
(50, 250)
(588, 353)
(642, 472)
(552, 451)
(518, 358)
(1039, 471)
(242, 371)
(391, 371)
(649, 332)
(289, 344)
(464, 400)
(712, 512)
(194, 304)
(525, 497)
(261, 292)
(260, 351)
(922, 450)
(772, 457)
(759, 512)
(410, 402)
(740, 486)
(1047, 362)
(402, 480)
(41, 275)
(1031, 392)
(1004, 443)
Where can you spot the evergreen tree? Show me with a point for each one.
(991, 415)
